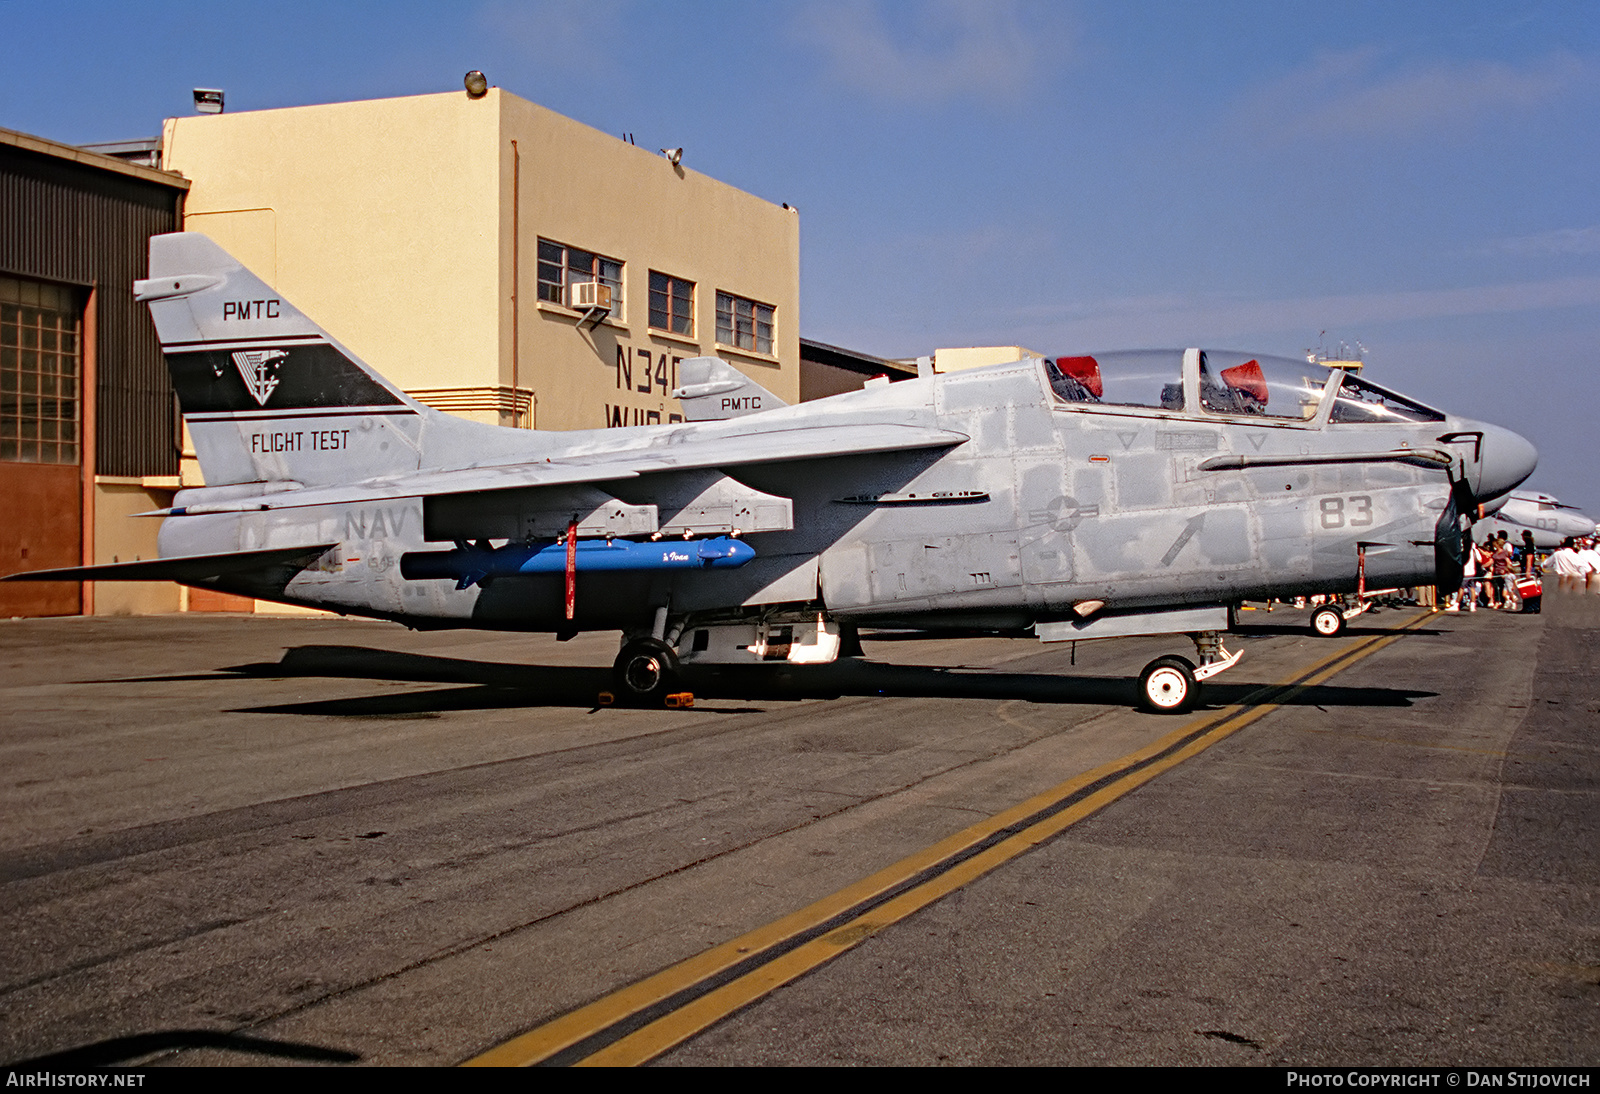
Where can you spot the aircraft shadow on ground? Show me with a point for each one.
(1285, 626)
(497, 685)
(120, 1050)
(1303, 630)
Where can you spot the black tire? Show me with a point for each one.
(646, 670)
(1167, 686)
(1327, 622)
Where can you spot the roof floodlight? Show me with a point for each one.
(674, 155)
(477, 84)
(208, 100)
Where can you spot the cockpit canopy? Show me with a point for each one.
(1228, 383)
(1146, 377)
(1273, 387)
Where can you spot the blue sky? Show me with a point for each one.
(1421, 177)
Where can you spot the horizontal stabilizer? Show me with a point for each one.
(187, 569)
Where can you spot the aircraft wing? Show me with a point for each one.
(185, 568)
(767, 446)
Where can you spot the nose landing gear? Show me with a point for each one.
(1327, 622)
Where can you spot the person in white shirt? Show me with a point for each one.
(1589, 555)
(1568, 566)
(1468, 592)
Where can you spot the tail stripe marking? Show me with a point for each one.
(319, 412)
(311, 377)
(259, 340)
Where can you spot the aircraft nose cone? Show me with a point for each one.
(1507, 459)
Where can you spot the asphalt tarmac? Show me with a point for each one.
(248, 840)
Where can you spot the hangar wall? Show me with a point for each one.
(88, 428)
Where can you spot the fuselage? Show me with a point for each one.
(1547, 519)
(1182, 480)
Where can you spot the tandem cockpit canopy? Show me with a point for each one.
(1226, 383)
(1128, 378)
(1268, 387)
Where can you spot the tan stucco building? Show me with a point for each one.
(960, 358)
(440, 237)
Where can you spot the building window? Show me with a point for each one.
(744, 324)
(39, 369)
(561, 266)
(672, 304)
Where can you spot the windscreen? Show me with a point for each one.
(1358, 401)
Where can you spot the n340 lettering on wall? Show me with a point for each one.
(1354, 511)
(639, 371)
(654, 370)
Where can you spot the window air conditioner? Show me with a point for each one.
(589, 295)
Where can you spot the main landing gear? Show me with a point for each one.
(646, 670)
(1167, 685)
(1171, 685)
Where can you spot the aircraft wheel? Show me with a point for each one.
(1327, 622)
(1167, 685)
(646, 669)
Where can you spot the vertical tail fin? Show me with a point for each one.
(268, 395)
(711, 390)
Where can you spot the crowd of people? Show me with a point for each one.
(1498, 573)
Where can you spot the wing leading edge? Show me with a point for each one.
(774, 446)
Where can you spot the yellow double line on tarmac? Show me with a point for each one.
(645, 1019)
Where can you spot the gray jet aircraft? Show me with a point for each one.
(1079, 497)
(1549, 520)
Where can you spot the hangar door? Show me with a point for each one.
(41, 450)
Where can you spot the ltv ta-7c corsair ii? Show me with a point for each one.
(1082, 497)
